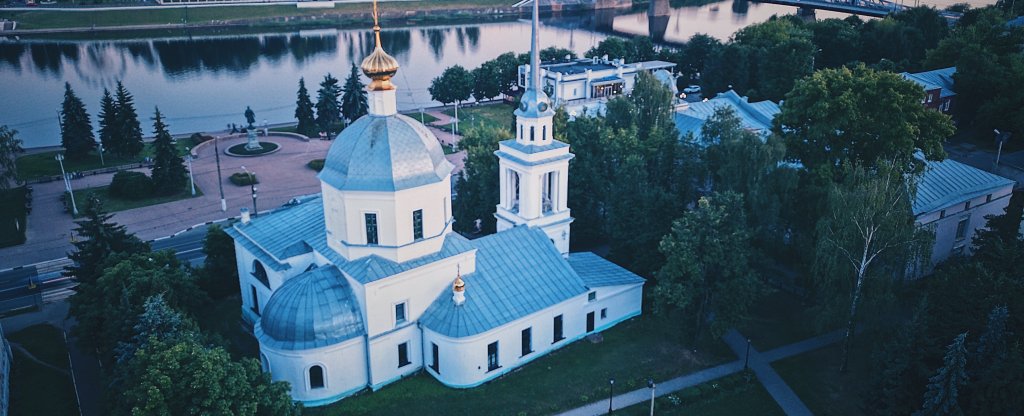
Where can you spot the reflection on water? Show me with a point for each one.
(205, 82)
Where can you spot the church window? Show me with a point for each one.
(548, 197)
(592, 296)
(527, 337)
(316, 377)
(544, 133)
(371, 228)
(403, 355)
(967, 206)
(255, 301)
(558, 336)
(492, 356)
(961, 228)
(520, 132)
(400, 313)
(531, 133)
(417, 224)
(436, 364)
(604, 313)
(260, 273)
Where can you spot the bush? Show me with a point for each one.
(199, 138)
(131, 185)
(242, 179)
(316, 164)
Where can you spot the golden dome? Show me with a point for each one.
(379, 66)
(459, 285)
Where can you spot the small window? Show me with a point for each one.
(520, 132)
(260, 273)
(988, 198)
(417, 224)
(435, 352)
(531, 133)
(255, 301)
(403, 355)
(967, 206)
(316, 377)
(492, 356)
(400, 313)
(371, 228)
(592, 296)
(961, 229)
(544, 133)
(557, 336)
(527, 337)
(604, 313)
(942, 214)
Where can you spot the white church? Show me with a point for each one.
(366, 283)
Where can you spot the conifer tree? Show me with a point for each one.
(353, 101)
(328, 109)
(10, 148)
(169, 174)
(76, 128)
(109, 135)
(98, 239)
(992, 344)
(945, 385)
(304, 112)
(128, 127)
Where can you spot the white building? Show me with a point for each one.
(587, 83)
(366, 283)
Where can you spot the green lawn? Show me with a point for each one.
(490, 115)
(426, 119)
(43, 164)
(815, 377)
(737, 394)
(575, 375)
(36, 389)
(12, 217)
(285, 129)
(777, 319)
(114, 204)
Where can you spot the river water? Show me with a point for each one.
(204, 82)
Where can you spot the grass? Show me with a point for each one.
(291, 128)
(778, 319)
(427, 118)
(114, 204)
(36, 389)
(573, 376)
(815, 377)
(222, 320)
(42, 165)
(13, 216)
(737, 394)
(497, 116)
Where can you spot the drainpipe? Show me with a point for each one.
(369, 365)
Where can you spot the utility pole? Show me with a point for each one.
(67, 183)
(220, 181)
(191, 179)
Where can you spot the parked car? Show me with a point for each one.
(692, 89)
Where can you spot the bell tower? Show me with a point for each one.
(534, 167)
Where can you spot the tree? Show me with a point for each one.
(706, 269)
(899, 371)
(859, 116)
(75, 128)
(838, 42)
(487, 81)
(109, 135)
(477, 185)
(128, 127)
(219, 275)
(328, 108)
(353, 101)
(250, 116)
(157, 322)
(168, 172)
(992, 346)
(98, 239)
(867, 227)
(945, 385)
(507, 66)
(10, 148)
(304, 112)
(186, 378)
(455, 85)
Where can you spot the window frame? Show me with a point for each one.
(323, 376)
(558, 329)
(526, 341)
(417, 224)
(961, 228)
(367, 226)
(405, 312)
(493, 359)
(403, 354)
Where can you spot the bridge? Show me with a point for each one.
(873, 8)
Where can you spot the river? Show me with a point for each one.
(204, 82)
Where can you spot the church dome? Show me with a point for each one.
(314, 309)
(384, 153)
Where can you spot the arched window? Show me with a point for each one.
(316, 377)
(260, 273)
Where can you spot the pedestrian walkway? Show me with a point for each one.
(759, 363)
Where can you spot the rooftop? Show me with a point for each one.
(314, 309)
(950, 182)
(755, 116)
(934, 79)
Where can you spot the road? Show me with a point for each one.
(31, 285)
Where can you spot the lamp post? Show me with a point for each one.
(102, 163)
(746, 359)
(67, 183)
(220, 181)
(252, 188)
(651, 385)
(611, 392)
(191, 179)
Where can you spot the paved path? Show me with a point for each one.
(32, 357)
(759, 363)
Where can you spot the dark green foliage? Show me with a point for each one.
(98, 239)
(900, 376)
(169, 173)
(328, 108)
(304, 112)
(316, 164)
(75, 127)
(353, 99)
(10, 149)
(109, 135)
(219, 275)
(477, 186)
(692, 58)
(487, 82)
(992, 346)
(454, 85)
(250, 116)
(944, 387)
(128, 133)
(242, 178)
(157, 322)
(635, 49)
(131, 185)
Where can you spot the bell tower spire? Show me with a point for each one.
(534, 168)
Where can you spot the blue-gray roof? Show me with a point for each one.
(518, 272)
(529, 149)
(754, 116)
(934, 79)
(950, 182)
(314, 309)
(389, 153)
(595, 271)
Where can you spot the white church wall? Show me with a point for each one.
(344, 370)
(385, 367)
(946, 221)
(417, 288)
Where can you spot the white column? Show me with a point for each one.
(563, 187)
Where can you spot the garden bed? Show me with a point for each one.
(241, 151)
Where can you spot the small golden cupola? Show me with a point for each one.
(459, 289)
(379, 66)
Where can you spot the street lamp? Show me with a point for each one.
(67, 183)
(102, 163)
(191, 179)
(611, 392)
(746, 359)
(252, 188)
(651, 385)
(220, 180)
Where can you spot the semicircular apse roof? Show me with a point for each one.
(312, 310)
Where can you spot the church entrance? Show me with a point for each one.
(590, 322)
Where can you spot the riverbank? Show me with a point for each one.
(44, 21)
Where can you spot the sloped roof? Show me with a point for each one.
(518, 272)
(314, 309)
(950, 182)
(754, 116)
(934, 79)
(595, 271)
